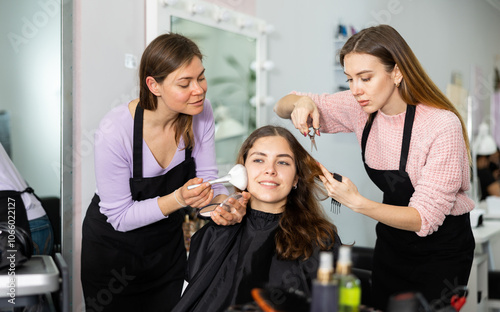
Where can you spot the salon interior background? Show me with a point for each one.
(446, 40)
(446, 35)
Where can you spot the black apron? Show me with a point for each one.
(142, 269)
(403, 261)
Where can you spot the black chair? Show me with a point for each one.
(362, 264)
(494, 285)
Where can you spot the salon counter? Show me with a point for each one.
(33, 284)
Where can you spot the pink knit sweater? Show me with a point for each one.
(438, 164)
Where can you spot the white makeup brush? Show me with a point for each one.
(237, 176)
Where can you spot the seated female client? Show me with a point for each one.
(278, 242)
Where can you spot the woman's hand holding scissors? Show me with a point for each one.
(304, 115)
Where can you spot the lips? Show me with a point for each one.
(363, 103)
(200, 102)
(268, 183)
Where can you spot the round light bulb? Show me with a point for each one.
(170, 2)
(268, 100)
(268, 65)
(253, 66)
(267, 29)
(223, 16)
(197, 8)
(245, 23)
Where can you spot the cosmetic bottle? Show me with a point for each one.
(325, 288)
(349, 285)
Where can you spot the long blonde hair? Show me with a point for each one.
(385, 43)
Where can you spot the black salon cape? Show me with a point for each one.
(227, 262)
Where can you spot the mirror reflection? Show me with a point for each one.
(30, 109)
(30, 119)
(231, 83)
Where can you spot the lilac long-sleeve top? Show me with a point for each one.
(114, 166)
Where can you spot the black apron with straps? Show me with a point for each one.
(403, 261)
(143, 269)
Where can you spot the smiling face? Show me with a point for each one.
(271, 172)
(373, 87)
(183, 90)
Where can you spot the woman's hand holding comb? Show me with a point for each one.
(340, 189)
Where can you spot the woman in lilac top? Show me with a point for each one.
(415, 149)
(146, 154)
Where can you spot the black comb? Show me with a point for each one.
(335, 205)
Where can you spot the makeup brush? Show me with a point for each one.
(237, 176)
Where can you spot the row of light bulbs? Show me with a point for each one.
(223, 15)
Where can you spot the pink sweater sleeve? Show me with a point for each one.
(339, 112)
(439, 169)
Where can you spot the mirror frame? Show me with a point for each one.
(158, 21)
(66, 171)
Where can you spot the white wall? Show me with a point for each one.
(104, 31)
(445, 34)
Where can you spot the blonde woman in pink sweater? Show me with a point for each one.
(414, 148)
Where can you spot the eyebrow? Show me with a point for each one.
(361, 72)
(264, 154)
(189, 78)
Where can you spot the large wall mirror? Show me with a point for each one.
(233, 47)
(30, 85)
(35, 109)
(30, 109)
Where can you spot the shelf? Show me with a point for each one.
(338, 71)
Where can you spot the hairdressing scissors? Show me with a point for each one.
(312, 137)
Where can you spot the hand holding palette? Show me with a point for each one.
(205, 211)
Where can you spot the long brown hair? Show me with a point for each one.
(303, 224)
(162, 56)
(385, 43)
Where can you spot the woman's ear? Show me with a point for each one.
(153, 85)
(397, 75)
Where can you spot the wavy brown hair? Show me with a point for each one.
(385, 43)
(164, 55)
(303, 225)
